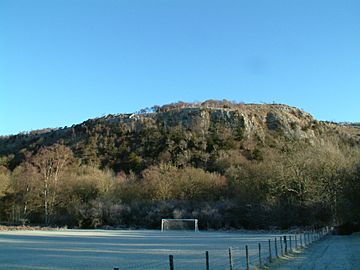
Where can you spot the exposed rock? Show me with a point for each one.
(249, 124)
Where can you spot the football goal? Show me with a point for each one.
(168, 224)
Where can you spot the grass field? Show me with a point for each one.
(333, 252)
(105, 249)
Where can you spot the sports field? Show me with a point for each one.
(106, 249)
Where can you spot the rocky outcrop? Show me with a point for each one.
(251, 120)
(252, 125)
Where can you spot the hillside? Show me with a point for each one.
(229, 164)
(179, 133)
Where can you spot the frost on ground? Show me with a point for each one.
(332, 253)
(135, 250)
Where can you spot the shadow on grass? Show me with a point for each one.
(293, 255)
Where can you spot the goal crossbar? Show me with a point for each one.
(179, 224)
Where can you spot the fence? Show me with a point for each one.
(246, 257)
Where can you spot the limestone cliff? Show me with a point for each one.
(185, 133)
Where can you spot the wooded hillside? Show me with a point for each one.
(227, 164)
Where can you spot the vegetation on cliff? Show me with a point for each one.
(227, 164)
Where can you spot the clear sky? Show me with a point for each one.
(64, 61)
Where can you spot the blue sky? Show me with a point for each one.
(64, 61)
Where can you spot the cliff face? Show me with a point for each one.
(258, 121)
(178, 131)
(252, 120)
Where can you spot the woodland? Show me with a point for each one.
(231, 166)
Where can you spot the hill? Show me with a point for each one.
(247, 164)
(179, 132)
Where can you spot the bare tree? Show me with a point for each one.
(51, 162)
(25, 189)
(4, 180)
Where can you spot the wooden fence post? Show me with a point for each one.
(260, 255)
(290, 243)
(230, 260)
(276, 249)
(270, 256)
(247, 258)
(207, 260)
(171, 262)
(281, 246)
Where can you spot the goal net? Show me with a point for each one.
(179, 224)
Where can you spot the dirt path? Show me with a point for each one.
(334, 252)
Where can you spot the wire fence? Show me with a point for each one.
(252, 255)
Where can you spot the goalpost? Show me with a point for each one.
(179, 224)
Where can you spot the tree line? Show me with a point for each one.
(301, 185)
